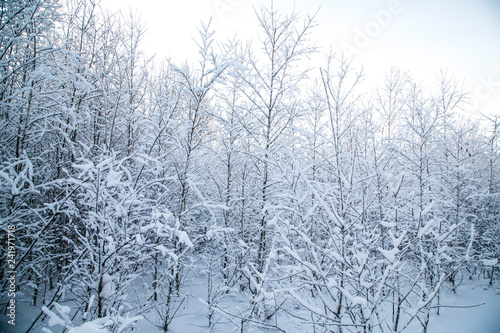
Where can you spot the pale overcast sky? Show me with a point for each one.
(421, 36)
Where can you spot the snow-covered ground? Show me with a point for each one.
(457, 317)
(480, 319)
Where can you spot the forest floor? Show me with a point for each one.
(481, 319)
(459, 317)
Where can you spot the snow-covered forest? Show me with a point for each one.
(254, 186)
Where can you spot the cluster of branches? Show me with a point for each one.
(344, 211)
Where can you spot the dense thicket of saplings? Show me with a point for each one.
(283, 184)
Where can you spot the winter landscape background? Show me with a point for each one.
(261, 187)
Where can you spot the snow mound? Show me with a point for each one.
(489, 262)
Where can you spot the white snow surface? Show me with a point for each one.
(479, 319)
(474, 308)
(490, 262)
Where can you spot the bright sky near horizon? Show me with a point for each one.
(421, 36)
